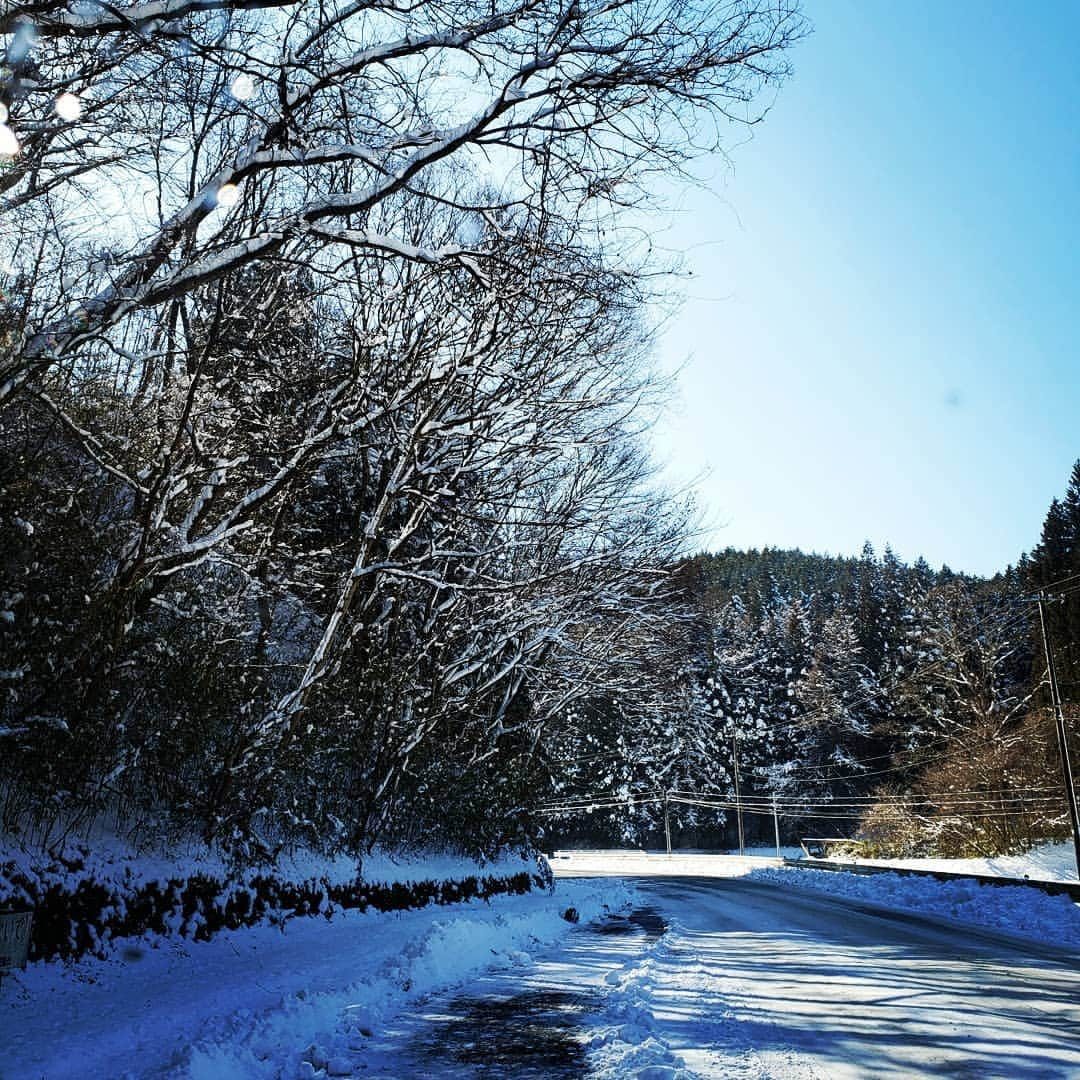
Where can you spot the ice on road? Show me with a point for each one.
(581, 1009)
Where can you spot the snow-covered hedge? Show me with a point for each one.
(81, 908)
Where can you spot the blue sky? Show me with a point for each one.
(879, 339)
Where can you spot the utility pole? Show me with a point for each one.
(667, 824)
(1062, 734)
(776, 825)
(738, 797)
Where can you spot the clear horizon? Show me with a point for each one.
(877, 340)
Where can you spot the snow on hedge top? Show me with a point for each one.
(111, 861)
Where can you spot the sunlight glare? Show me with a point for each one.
(68, 107)
(228, 195)
(9, 145)
(243, 88)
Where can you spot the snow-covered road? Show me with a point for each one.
(670, 978)
(262, 1004)
(751, 980)
(809, 985)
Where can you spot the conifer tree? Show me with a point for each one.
(1056, 559)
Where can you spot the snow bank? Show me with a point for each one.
(680, 864)
(1018, 909)
(1047, 862)
(627, 1040)
(263, 1003)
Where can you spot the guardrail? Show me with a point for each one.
(1052, 888)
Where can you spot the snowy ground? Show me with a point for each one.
(1016, 909)
(263, 1003)
(634, 863)
(757, 981)
(581, 1009)
(745, 969)
(1048, 862)
(732, 978)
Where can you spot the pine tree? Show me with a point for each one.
(839, 694)
(1070, 618)
(1057, 559)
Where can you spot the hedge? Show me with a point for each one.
(71, 923)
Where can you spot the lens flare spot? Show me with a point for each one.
(9, 144)
(243, 88)
(228, 195)
(68, 107)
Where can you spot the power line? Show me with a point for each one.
(974, 795)
(1060, 581)
(831, 812)
(971, 803)
(854, 761)
(924, 760)
(765, 803)
(601, 803)
(641, 793)
(928, 760)
(902, 767)
(914, 804)
(853, 815)
(928, 809)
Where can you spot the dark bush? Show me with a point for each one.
(69, 924)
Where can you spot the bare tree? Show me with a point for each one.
(310, 301)
(311, 116)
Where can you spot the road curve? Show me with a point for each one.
(813, 985)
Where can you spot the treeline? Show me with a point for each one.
(860, 697)
(322, 381)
